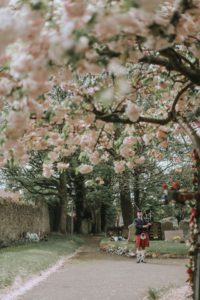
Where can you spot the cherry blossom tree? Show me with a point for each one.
(127, 62)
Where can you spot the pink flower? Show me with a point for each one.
(62, 166)
(68, 152)
(130, 165)
(94, 158)
(147, 138)
(161, 133)
(181, 106)
(5, 86)
(35, 107)
(164, 144)
(132, 112)
(47, 170)
(53, 156)
(140, 160)
(119, 166)
(21, 63)
(20, 151)
(75, 10)
(89, 119)
(129, 140)
(116, 67)
(126, 151)
(7, 28)
(17, 124)
(88, 139)
(85, 169)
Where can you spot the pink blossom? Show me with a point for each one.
(60, 115)
(7, 28)
(17, 124)
(21, 63)
(119, 166)
(132, 112)
(126, 151)
(88, 139)
(131, 165)
(105, 157)
(89, 119)
(140, 160)
(35, 107)
(47, 170)
(181, 106)
(109, 127)
(54, 135)
(5, 86)
(85, 169)
(82, 44)
(41, 144)
(62, 166)
(158, 155)
(20, 152)
(116, 68)
(68, 152)
(75, 9)
(130, 140)
(123, 86)
(161, 133)
(147, 138)
(53, 156)
(164, 144)
(60, 142)
(94, 158)
(178, 170)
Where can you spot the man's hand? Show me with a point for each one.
(147, 225)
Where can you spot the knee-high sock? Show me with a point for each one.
(138, 253)
(143, 253)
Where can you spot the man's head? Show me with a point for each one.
(139, 214)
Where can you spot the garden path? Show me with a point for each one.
(93, 275)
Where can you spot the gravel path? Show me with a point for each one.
(92, 275)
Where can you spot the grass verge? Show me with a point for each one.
(25, 260)
(156, 247)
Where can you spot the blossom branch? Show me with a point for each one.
(173, 61)
(195, 138)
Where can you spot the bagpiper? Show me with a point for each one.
(142, 236)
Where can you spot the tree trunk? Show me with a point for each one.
(63, 218)
(54, 214)
(79, 200)
(125, 200)
(98, 220)
(103, 217)
(136, 192)
(63, 203)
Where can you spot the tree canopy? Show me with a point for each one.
(107, 62)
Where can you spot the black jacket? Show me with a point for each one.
(138, 226)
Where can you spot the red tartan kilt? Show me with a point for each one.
(142, 243)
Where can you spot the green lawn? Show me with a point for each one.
(156, 247)
(25, 260)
